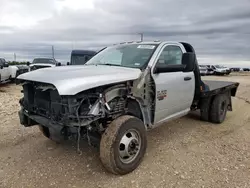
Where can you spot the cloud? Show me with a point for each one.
(217, 29)
(24, 13)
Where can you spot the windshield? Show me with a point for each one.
(128, 55)
(47, 61)
(80, 59)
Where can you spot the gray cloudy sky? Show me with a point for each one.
(218, 29)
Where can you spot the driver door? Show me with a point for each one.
(174, 90)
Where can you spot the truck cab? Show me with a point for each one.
(121, 93)
(80, 57)
(39, 63)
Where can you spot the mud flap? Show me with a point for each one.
(205, 108)
(230, 106)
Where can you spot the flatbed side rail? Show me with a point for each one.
(233, 87)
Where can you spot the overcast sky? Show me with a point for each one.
(218, 29)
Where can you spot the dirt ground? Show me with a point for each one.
(183, 153)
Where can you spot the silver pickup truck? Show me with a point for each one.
(118, 95)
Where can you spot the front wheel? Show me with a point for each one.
(123, 145)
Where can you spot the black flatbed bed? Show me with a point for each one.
(217, 87)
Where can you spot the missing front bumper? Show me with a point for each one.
(30, 120)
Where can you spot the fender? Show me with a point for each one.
(13, 71)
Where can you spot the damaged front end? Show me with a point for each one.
(69, 116)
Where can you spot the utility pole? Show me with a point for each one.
(141, 34)
(53, 54)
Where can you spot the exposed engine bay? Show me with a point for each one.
(89, 111)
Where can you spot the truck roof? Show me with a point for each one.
(43, 58)
(149, 42)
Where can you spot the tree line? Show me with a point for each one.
(17, 62)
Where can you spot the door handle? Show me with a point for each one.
(187, 78)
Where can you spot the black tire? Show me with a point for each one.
(219, 108)
(52, 134)
(110, 145)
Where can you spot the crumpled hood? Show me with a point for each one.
(70, 80)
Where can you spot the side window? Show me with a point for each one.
(171, 55)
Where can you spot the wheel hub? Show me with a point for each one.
(129, 146)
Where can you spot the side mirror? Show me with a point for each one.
(189, 60)
(162, 68)
(28, 63)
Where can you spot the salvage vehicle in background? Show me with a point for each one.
(246, 69)
(9, 73)
(80, 57)
(16, 70)
(221, 70)
(210, 71)
(118, 95)
(235, 69)
(4, 71)
(203, 70)
(39, 63)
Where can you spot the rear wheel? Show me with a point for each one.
(123, 145)
(219, 108)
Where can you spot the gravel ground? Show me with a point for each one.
(183, 153)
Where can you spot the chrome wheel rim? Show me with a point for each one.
(129, 146)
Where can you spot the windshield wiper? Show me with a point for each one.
(109, 64)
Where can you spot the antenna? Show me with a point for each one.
(53, 54)
(141, 34)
